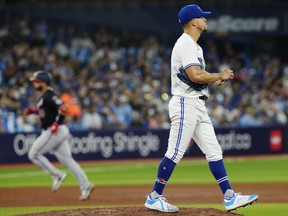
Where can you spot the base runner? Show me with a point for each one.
(54, 136)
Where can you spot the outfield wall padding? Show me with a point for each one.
(133, 144)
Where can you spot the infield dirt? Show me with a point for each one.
(129, 200)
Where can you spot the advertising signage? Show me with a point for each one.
(133, 144)
(248, 18)
(162, 19)
(230, 24)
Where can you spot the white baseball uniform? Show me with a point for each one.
(188, 113)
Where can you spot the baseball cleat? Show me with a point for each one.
(86, 192)
(239, 200)
(160, 204)
(57, 182)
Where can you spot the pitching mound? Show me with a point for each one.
(134, 211)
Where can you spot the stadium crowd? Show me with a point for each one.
(122, 80)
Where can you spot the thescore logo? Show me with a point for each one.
(106, 145)
(226, 23)
(235, 141)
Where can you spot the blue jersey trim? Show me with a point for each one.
(192, 64)
(180, 129)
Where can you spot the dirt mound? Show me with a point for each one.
(135, 211)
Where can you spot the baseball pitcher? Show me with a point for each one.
(189, 116)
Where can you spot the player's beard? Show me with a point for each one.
(39, 88)
(205, 28)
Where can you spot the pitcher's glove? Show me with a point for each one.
(182, 75)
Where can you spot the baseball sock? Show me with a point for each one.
(217, 168)
(229, 194)
(165, 170)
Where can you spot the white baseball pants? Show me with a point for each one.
(190, 119)
(58, 144)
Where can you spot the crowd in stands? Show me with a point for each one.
(122, 80)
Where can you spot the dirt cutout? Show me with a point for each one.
(129, 200)
(127, 211)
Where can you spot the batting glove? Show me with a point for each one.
(54, 127)
(29, 111)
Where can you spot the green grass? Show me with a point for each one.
(29, 210)
(256, 210)
(240, 170)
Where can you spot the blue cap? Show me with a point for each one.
(190, 12)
